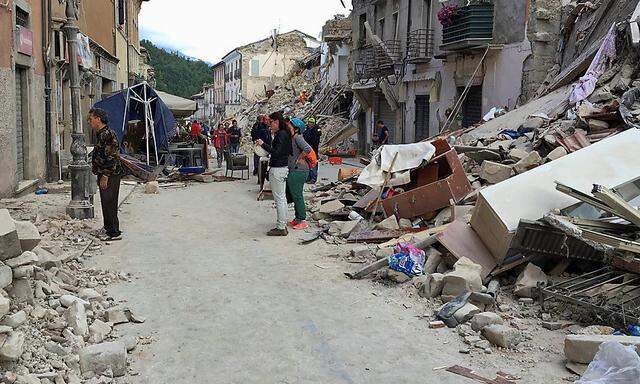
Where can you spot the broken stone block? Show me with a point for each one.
(502, 335)
(495, 173)
(5, 306)
(48, 260)
(518, 154)
(77, 319)
(21, 291)
(24, 272)
(466, 277)
(152, 188)
(30, 379)
(26, 258)
(130, 342)
(434, 258)
(89, 294)
(552, 325)
(9, 241)
(390, 223)
(597, 125)
(459, 211)
(529, 279)
(384, 253)
(99, 358)
(28, 235)
(98, 331)
(532, 160)
(342, 228)
(465, 313)
(484, 319)
(12, 348)
(556, 154)
(6, 276)
(405, 223)
(534, 123)
(601, 95)
(55, 348)
(393, 275)
(431, 286)
(583, 348)
(116, 316)
(331, 206)
(15, 320)
(67, 300)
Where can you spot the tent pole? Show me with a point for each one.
(146, 121)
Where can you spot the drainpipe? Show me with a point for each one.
(126, 19)
(46, 23)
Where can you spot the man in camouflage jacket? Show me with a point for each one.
(107, 166)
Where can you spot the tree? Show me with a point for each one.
(176, 73)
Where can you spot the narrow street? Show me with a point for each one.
(225, 304)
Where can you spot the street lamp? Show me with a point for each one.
(81, 205)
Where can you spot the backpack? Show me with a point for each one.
(312, 159)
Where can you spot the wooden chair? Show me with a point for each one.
(236, 162)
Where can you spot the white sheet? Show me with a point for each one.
(410, 156)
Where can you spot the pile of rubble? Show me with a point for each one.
(539, 204)
(56, 322)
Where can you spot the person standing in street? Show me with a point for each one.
(298, 172)
(219, 143)
(106, 165)
(280, 150)
(313, 135)
(235, 134)
(383, 134)
(263, 133)
(196, 129)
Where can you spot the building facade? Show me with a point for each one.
(335, 50)
(219, 90)
(255, 67)
(420, 76)
(35, 130)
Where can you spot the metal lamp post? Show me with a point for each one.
(81, 205)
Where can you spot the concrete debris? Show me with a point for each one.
(152, 188)
(21, 291)
(77, 319)
(502, 335)
(494, 173)
(342, 228)
(13, 347)
(6, 276)
(15, 320)
(117, 316)
(100, 358)
(582, 348)
(466, 313)
(484, 319)
(28, 235)
(466, 277)
(431, 285)
(331, 206)
(531, 161)
(531, 278)
(556, 154)
(390, 223)
(517, 154)
(98, 331)
(9, 241)
(25, 258)
(68, 300)
(5, 306)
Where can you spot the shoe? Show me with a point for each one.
(115, 238)
(301, 225)
(278, 232)
(293, 223)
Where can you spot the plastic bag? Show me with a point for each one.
(407, 259)
(613, 364)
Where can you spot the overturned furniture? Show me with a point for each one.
(433, 186)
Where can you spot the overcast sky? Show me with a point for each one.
(209, 29)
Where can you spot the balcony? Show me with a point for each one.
(420, 46)
(377, 61)
(471, 27)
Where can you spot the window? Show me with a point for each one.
(122, 12)
(395, 26)
(362, 30)
(255, 67)
(58, 37)
(22, 17)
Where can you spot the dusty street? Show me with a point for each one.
(225, 304)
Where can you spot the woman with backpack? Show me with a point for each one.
(299, 167)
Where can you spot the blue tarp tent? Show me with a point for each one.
(140, 102)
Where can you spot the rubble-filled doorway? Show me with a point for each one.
(422, 117)
(472, 106)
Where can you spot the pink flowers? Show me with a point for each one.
(446, 15)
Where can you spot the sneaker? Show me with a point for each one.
(115, 238)
(293, 223)
(301, 225)
(278, 232)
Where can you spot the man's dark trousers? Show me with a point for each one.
(109, 201)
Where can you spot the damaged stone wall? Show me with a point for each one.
(273, 65)
(543, 31)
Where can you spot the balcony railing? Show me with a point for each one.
(420, 46)
(471, 27)
(378, 61)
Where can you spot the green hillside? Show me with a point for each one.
(177, 74)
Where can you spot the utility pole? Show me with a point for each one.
(81, 204)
